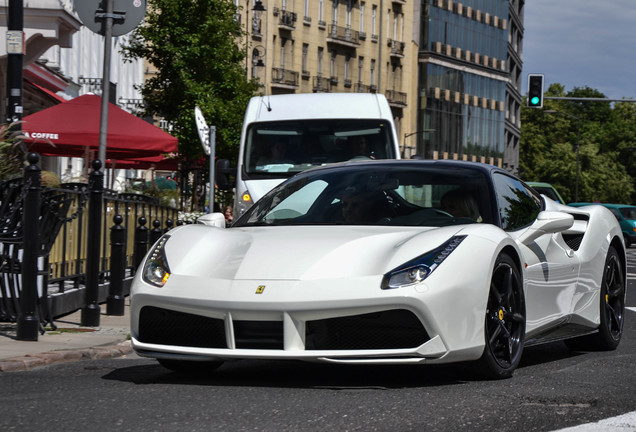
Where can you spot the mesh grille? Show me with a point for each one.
(573, 240)
(394, 329)
(166, 327)
(258, 334)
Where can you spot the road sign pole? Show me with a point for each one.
(212, 178)
(103, 123)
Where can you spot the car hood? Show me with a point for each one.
(299, 252)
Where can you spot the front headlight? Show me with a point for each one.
(156, 271)
(418, 269)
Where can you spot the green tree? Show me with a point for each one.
(604, 135)
(11, 155)
(194, 47)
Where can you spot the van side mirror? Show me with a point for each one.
(224, 173)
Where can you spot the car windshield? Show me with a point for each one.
(360, 194)
(283, 148)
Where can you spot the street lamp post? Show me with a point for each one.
(577, 148)
(258, 8)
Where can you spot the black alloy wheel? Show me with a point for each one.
(612, 304)
(505, 324)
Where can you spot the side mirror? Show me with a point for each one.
(548, 222)
(223, 173)
(212, 219)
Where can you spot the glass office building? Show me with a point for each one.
(464, 73)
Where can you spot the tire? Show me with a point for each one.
(190, 367)
(505, 323)
(612, 309)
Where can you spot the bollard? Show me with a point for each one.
(156, 232)
(91, 309)
(28, 320)
(115, 301)
(169, 224)
(141, 242)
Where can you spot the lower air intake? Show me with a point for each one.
(167, 327)
(394, 329)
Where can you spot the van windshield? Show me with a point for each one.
(283, 148)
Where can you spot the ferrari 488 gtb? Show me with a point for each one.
(384, 262)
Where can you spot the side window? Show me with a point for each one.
(518, 206)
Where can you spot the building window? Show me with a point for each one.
(283, 41)
(374, 17)
(360, 68)
(334, 12)
(305, 53)
(332, 64)
(319, 63)
(361, 17)
(395, 27)
(372, 73)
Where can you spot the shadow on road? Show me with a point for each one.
(297, 374)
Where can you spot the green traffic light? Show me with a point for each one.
(534, 100)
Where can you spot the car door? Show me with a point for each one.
(551, 268)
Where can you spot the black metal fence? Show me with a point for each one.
(65, 242)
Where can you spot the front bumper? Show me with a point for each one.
(336, 321)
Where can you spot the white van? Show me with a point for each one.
(285, 134)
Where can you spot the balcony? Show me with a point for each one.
(396, 99)
(343, 36)
(321, 84)
(397, 48)
(364, 88)
(284, 78)
(400, 2)
(287, 20)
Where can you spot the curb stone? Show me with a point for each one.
(31, 361)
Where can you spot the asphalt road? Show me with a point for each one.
(554, 388)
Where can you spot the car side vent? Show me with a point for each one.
(573, 240)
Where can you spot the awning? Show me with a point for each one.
(163, 163)
(54, 97)
(72, 128)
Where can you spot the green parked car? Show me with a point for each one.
(548, 190)
(626, 216)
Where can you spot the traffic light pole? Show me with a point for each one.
(585, 99)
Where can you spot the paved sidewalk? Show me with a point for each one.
(69, 342)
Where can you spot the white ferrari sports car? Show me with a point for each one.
(384, 262)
